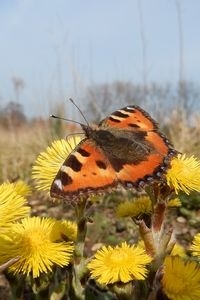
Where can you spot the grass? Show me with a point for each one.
(20, 147)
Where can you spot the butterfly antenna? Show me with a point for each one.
(79, 111)
(68, 120)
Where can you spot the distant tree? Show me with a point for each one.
(160, 99)
(12, 115)
(104, 98)
(18, 85)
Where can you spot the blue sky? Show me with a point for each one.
(60, 47)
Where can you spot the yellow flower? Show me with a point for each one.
(22, 188)
(178, 250)
(196, 245)
(119, 264)
(176, 202)
(181, 279)
(13, 206)
(141, 205)
(184, 174)
(49, 162)
(65, 230)
(34, 243)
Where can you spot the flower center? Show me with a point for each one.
(34, 238)
(118, 257)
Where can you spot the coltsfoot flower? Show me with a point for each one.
(119, 264)
(22, 188)
(13, 206)
(34, 241)
(138, 206)
(184, 174)
(195, 248)
(49, 162)
(65, 230)
(178, 250)
(181, 279)
(175, 202)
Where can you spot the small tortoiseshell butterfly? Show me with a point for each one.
(125, 148)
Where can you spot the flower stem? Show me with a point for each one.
(77, 291)
(82, 228)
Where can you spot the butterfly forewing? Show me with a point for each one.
(130, 118)
(85, 170)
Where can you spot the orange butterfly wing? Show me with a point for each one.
(135, 119)
(91, 167)
(130, 118)
(85, 170)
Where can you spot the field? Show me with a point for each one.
(21, 144)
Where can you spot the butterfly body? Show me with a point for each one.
(119, 144)
(126, 148)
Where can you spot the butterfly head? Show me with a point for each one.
(97, 134)
(90, 131)
(87, 130)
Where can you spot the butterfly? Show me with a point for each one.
(126, 148)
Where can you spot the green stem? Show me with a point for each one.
(82, 229)
(77, 291)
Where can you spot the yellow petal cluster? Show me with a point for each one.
(13, 206)
(35, 243)
(65, 230)
(178, 250)
(134, 208)
(184, 174)
(181, 279)
(22, 188)
(195, 248)
(175, 202)
(122, 263)
(49, 162)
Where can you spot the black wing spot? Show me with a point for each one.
(114, 120)
(133, 125)
(93, 173)
(83, 152)
(119, 114)
(101, 164)
(73, 163)
(65, 178)
(129, 109)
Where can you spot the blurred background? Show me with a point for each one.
(104, 55)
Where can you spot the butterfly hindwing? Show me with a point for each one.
(148, 144)
(135, 175)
